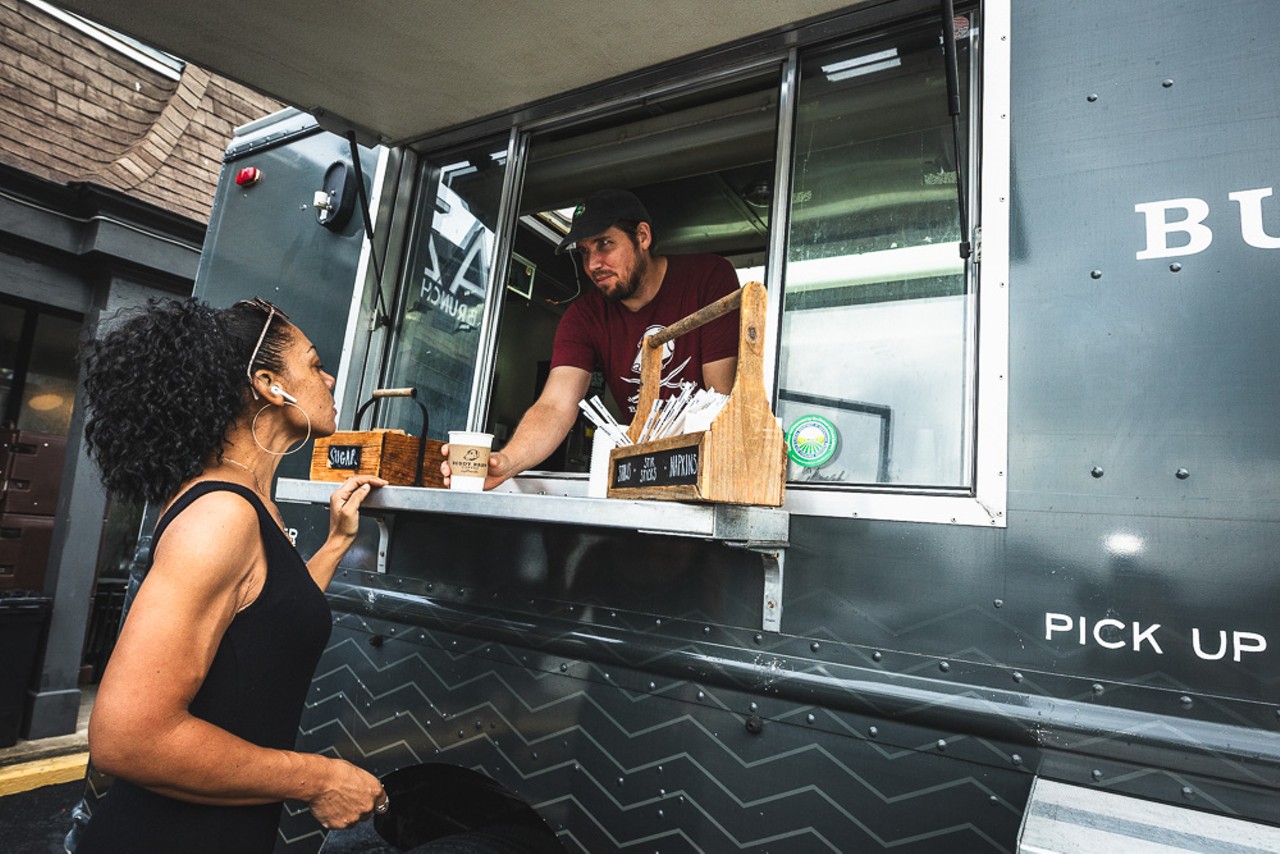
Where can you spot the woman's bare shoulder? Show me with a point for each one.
(216, 534)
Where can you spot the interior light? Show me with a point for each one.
(758, 194)
(859, 65)
(558, 220)
(538, 225)
(45, 402)
(456, 170)
(886, 265)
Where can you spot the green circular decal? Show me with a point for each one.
(811, 441)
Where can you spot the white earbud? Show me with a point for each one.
(275, 389)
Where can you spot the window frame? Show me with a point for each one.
(988, 198)
(988, 171)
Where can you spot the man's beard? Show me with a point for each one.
(627, 289)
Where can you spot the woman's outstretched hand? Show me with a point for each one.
(344, 504)
(344, 523)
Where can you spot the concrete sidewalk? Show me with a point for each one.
(41, 780)
(30, 764)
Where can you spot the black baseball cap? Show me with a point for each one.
(599, 211)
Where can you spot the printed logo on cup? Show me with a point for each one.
(470, 462)
(469, 459)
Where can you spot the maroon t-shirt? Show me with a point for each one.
(597, 334)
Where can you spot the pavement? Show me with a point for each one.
(40, 781)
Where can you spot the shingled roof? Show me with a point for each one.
(73, 109)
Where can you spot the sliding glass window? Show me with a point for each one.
(875, 371)
(438, 324)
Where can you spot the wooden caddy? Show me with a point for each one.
(742, 457)
(393, 455)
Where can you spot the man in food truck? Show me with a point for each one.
(636, 293)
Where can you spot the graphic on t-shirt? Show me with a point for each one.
(670, 379)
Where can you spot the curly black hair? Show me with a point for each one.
(166, 383)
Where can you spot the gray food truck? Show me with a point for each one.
(1023, 595)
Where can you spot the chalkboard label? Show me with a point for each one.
(673, 467)
(344, 456)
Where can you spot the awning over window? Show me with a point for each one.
(403, 69)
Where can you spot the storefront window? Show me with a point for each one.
(37, 370)
(11, 322)
(875, 372)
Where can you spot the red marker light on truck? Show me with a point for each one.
(248, 176)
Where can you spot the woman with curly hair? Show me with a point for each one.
(192, 408)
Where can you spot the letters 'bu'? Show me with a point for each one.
(1197, 236)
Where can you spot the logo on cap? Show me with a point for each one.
(579, 210)
(812, 441)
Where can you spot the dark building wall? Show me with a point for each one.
(109, 160)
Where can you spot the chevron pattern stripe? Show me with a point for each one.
(668, 766)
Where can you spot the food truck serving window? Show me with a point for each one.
(833, 173)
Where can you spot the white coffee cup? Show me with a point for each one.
(469, 459)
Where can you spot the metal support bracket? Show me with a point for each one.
(774, 564)
(384, 541)
(773, 558)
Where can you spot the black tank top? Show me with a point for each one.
(255, 689)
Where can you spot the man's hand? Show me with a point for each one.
(500, 468)
(540, 431)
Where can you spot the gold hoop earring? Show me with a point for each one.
(253, 431)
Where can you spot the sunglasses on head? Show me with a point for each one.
(262, 305)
